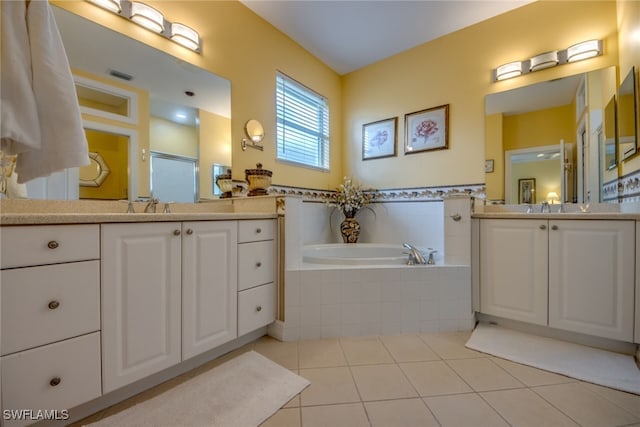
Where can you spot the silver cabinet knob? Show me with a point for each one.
(456, 217)
(53, 244)
(53, 305)
(554, 227)
(259, 308)
(55, 381)
(543, 227)
(189, 231)
(176, 232)
(258, 230)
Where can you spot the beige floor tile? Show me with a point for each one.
(408, 348)
(531, 376)
(283, 353)
(450, 345)
(523, 408)
(328, 386)
(483, 375)
(320, 354)
(464, 410)
(586, 407)
(348, 415)
(284, 418)
(400, 413)
(379, 382)
(434, 378)
(628, 401)
(365, 351)
(293, 403)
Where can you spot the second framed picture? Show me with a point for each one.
(379, 139)
(426, 130)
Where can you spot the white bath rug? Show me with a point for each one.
(242, 392)
(589, 364)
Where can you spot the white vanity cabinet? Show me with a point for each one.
(141, 300)
(513, 269)
(256, 274)
(50, 339)
(169, 293)
(575, 275)
(637, 328)
(209, 285)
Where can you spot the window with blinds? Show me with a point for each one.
(302, 128)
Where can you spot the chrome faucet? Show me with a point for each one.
(430, 259)
(415, 256)
(151, 206)
(544, 207)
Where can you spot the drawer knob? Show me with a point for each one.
(258, 230)
(53, 244)
(176, 232)
(554, 227)
(54, 304)
(189, 231)
(543, 227)
(55, 381)
(258, 264)
(259, 308)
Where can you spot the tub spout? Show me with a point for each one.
(415, 256)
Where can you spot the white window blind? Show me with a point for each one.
(302, 129)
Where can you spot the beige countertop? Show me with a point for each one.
(98, 218)
(568, 215)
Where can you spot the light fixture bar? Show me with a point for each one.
(576, 52)
(153, 20)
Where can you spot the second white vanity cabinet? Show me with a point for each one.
(576, 275)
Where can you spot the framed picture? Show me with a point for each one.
(527, 190)
(379, 139)
(426, 130)
(488, 166)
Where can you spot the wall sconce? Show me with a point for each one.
(153, 20)
(255, 132)
(576, 52)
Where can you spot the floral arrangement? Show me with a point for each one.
(350, 198)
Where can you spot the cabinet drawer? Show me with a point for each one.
(49, 303)
(48, 244)
(256, 229)
(29, 378)
(256, 308)
(256, 264)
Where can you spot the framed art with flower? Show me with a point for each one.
(379, 139)
(426, 130)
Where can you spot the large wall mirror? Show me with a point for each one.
(548, 133)
(185, 112)
(627, 118)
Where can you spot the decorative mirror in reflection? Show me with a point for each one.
(627, 116)
(95, 173)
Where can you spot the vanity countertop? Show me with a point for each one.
(568, 215)
(97, 218)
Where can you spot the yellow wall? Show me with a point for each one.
(172, 138)
(214, 129)
(456, 70)
(538, 128)
(114, 150)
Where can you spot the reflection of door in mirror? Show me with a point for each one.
(173, 178)
(113, 148)
(539, 164)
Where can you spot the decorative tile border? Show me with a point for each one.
(629, 187)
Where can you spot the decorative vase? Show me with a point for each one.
(259, 180)
(350, 229)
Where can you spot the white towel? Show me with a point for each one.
(33, 55)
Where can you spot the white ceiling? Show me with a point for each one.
(348, 35)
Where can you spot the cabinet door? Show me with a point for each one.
(140, 300)
(591, 277)
(209, 285)
(513, 269)
(637, 254)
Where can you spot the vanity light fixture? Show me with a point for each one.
(147, 17)
(185, 36)
(577, 52)
(544, 60)
(584, 50)
(507, 71)
(153, 20)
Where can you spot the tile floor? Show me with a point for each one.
(424, 380)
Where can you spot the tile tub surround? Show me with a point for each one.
(327, 302)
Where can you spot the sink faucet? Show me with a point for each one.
(415, 256)
(151, 206)
(544, 207)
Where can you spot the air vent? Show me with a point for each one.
(120, 75)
